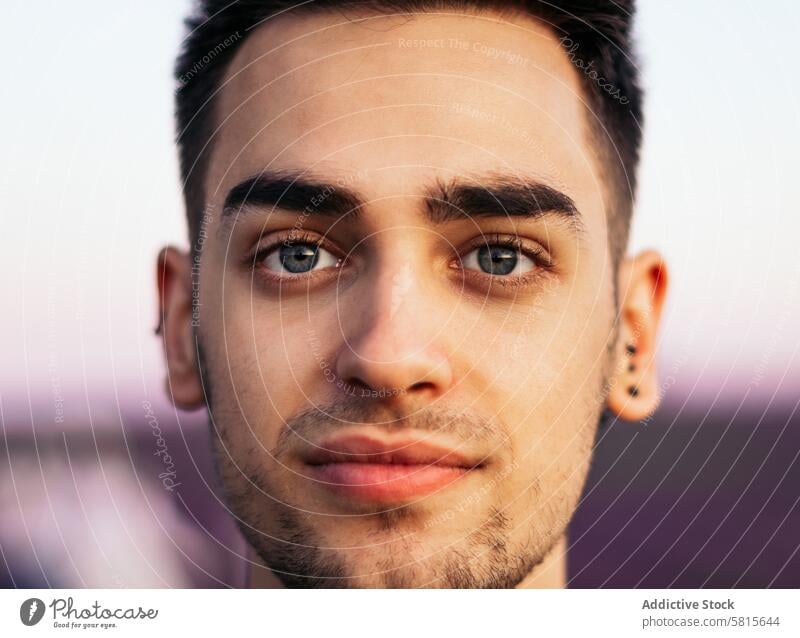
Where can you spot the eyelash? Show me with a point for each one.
(254, 260)
(542, 259)
(537, 254)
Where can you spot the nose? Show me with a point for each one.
(393, 343)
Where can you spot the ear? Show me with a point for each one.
(175, 312)
(642, 285)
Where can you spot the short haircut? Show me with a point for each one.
(595, 34)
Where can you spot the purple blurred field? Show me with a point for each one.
(697, 498)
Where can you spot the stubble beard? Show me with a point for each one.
(295, 551)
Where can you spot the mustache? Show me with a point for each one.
(464, 424)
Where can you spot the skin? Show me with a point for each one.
(399, 331)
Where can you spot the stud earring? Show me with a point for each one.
(633, 391)
(631, 349)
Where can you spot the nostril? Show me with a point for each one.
(353, 384)
(356, 385)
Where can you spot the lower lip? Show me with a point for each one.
(383, 481)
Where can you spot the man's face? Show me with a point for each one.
(406, 312)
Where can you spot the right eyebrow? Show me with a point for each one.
(293, 192)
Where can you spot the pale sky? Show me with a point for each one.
(89, 191)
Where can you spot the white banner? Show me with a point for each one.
(401, 614)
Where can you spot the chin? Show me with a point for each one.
(395, 551)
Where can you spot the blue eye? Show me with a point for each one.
(298, 258)
(499, 260)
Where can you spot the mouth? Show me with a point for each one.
(375, 469)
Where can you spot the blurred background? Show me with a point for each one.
(705, 494)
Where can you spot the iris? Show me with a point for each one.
(299, 258)
(497, 260)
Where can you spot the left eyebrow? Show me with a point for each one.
(499, 196)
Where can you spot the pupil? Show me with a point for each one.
(299, 258)
(497, 260)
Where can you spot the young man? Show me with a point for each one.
(407, 301)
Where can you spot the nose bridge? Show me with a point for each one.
(391, 322)
(392, 342)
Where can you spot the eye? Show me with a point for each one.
(297, 258)
(499, 260)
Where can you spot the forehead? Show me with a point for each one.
(402, 97)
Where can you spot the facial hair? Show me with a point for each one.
(289, 544)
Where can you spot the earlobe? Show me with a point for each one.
(633, 391)
(174, 283)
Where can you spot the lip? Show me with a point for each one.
(376, 469)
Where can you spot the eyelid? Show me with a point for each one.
(265, 246)
(529, 248)
(253, 262)
(545, 266)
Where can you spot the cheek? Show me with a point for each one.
(280, 355)
(531, 353)
(552, 436)
(545, 376)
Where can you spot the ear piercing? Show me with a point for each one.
(631, 350)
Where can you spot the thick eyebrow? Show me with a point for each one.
(291, 192)
(499, 196)
(478, 197)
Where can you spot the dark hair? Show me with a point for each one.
(596, 35)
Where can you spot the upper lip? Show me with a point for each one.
(367, 448)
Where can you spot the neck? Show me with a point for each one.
(259, 576)
(551, 573)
